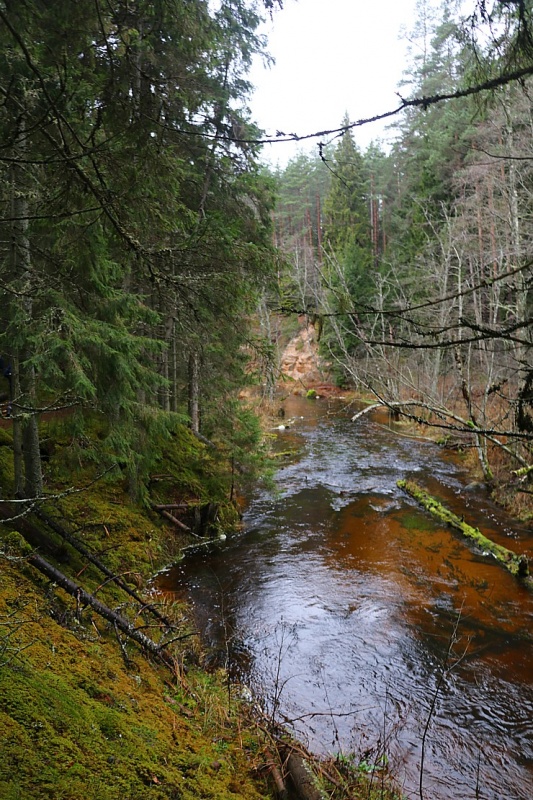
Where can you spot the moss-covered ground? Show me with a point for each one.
(80, 722)
(84, 713)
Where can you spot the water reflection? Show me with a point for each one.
(342, 598)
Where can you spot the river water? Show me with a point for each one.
(365, 625)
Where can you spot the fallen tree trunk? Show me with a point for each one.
(177, 522)
(169, 506)
(516, 564)
(87, 599)
(279, 783)
(461, 425)
(302, 777)
(181, 525)
(77, 545)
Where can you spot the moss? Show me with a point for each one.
(13, 544)
(75, 721)
(7, 471)
(79, 717)
(6, 438)
(510, 560)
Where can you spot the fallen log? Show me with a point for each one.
(302, 777)
(169, 506)
(203, 439)
(84, 551)
(179, 524)
(174, 519)
(516, 564)
(279, 783)
(392, 406)
(85, 598)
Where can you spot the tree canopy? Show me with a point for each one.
(133, 231)
(424, 264)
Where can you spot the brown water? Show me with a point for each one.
(340, 599)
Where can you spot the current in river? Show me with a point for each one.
(364, 625)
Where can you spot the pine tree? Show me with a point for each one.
(347, 228)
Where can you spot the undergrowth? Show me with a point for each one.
(83, 712)
(76, 721)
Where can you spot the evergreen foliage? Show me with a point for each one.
(135, 223)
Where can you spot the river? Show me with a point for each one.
(367, 626)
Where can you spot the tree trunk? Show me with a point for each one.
(27, 432)
(517, 565)
(33, 483)
(302, 777)
(194, 391)
(86, 599)
(18, 463)
(68, 537)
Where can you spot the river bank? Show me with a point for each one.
(507, 475)
(340, 599)
(86, 712)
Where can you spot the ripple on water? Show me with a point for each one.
(343, 598)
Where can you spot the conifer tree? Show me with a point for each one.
(129, 218)
(349, 267)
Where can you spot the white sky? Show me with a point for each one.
(332, 56)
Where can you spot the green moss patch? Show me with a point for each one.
(76, 722)
(516, 564)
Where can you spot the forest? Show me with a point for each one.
(414, 261)
(145, 245)
(135, 232)
(152, 265)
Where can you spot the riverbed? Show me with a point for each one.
(366, 626)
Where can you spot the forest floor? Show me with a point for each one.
(84, 711)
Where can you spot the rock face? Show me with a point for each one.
(300, 360)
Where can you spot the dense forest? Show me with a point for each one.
(414, 261)
(151, 264)
(135, 230)
(140, 245)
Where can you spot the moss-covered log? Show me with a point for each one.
(516, 564)
(84, 598)
(54, 525)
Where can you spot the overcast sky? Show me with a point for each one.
(332, 57)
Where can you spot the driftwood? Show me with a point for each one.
(87, 599)
(169, 506)
(302, 777)
(517, 565)
(77, 545)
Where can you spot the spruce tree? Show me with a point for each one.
(129, 216)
